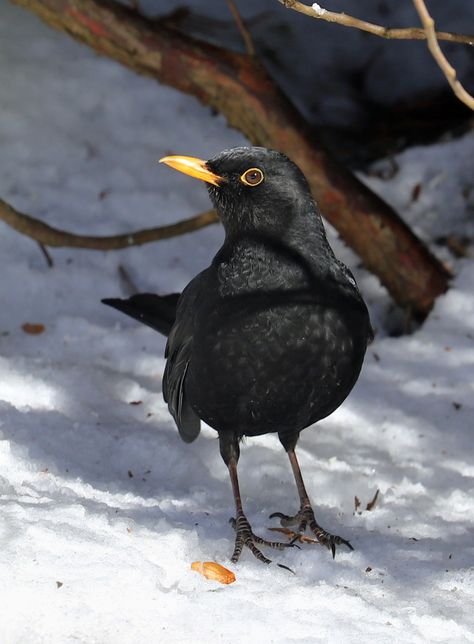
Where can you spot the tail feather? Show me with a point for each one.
(157, 311)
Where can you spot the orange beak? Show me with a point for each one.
(196, 168)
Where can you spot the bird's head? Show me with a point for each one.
(252, 188)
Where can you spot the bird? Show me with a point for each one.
(271, 337)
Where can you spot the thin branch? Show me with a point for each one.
(49, 236)
(433, 45)
(408, 33)
(241, 26)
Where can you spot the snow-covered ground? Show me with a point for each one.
(103, 508)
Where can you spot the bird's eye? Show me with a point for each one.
(252, 177)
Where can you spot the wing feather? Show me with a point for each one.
(179, 354)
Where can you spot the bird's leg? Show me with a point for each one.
(244, 536)
(305, 517)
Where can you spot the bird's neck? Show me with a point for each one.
(255, 260)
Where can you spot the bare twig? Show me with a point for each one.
(47, 256)
(433, 45)
(302, 538)
(408, 33)
(49, 236)
(244, 32)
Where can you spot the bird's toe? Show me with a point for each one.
(285, 519)
(303, 519)
(245, 537)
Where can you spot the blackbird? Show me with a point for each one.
(272, 336)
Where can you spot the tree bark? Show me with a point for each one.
(238, 86)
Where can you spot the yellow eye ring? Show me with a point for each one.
(252, 177)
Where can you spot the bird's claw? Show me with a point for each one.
(285, 519)
(245, 537)
(305, 518)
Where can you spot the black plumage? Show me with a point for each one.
(272, 336)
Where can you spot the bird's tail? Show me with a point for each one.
(157, 311)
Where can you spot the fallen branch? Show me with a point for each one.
(407, 33)
(49, 236)
(433, 45)
(238, 86)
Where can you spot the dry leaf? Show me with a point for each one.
(32, 329)
(371, 504)
(213, 570)
(415, 193)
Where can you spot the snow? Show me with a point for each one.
(318, 9)
(103, 508)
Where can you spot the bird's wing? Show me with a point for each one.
(348, 280)
(178, 353)
(171, 315)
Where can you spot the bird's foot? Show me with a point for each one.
(245, 537)
(305, 518)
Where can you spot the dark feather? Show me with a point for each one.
(178, 353)
(157, 311)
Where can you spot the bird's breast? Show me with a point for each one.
(271, 363)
